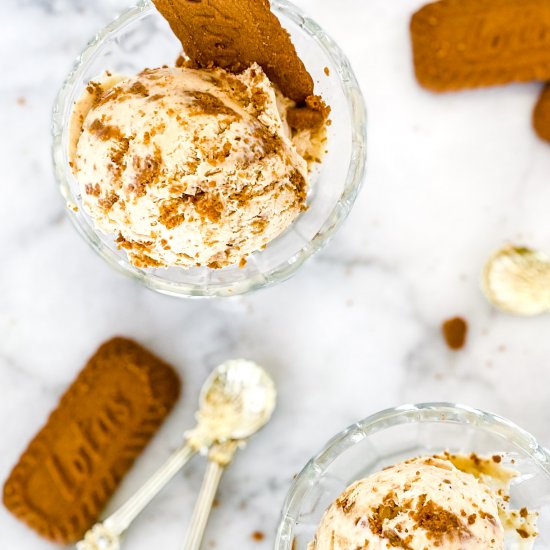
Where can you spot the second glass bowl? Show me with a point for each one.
(410, 431)
(141, 38)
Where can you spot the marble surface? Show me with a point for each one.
(357, 330)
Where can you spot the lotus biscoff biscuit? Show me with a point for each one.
(461, 44)
(235, 34)
(103, 421)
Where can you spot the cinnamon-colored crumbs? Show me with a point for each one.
(455, 331)
(138, 88)
(387, 511)
(345, 503)
(169, 213)
(138, 252)
(438, 522)
(217, 156)
(92, 190)
(95, 89)
(108, 201)
(317, 103)
(105, 132)
(300, 186)
(303, 118)
(207, 205)
(147, 171)
(207, 104)
(258, 536)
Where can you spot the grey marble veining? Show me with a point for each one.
(450, 178)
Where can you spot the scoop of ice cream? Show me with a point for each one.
(187, 167)
(418, 504)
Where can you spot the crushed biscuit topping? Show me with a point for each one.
(198, 158)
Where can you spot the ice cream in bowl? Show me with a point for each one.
(422, 477)
(207, 155)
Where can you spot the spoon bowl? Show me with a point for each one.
(237, 399)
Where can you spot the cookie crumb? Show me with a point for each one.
(454, 331)
(327, 71)
(258, 536)
(541, 114)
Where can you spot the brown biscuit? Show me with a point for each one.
(304, 118)
(541, 115)
(233, 34)
(310, 116)
(471, 43)
(103, 421)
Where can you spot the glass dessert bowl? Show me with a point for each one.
(141, 38)
(406, 432)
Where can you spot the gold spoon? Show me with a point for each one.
(517, 280)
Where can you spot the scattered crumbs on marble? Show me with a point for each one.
(215, 503)
(454, 331)
(258, 536)
(502, 348)
(21, 101)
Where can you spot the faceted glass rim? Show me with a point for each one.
(404, 414)
(353, 180)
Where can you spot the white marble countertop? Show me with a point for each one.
(450, 178)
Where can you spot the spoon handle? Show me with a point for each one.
(120, 520)
(219, 457)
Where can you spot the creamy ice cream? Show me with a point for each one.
(190, 167)
(420, 504)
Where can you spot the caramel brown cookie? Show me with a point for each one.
(541, 115)
(233, 34)
(310, 116)
(471, 43)
(103, 421)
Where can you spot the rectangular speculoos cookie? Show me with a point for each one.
(233, 35)
(461, 44)
(103, 421)
(541, 116)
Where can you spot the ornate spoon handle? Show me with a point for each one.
(106, 535)
(219, 457)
